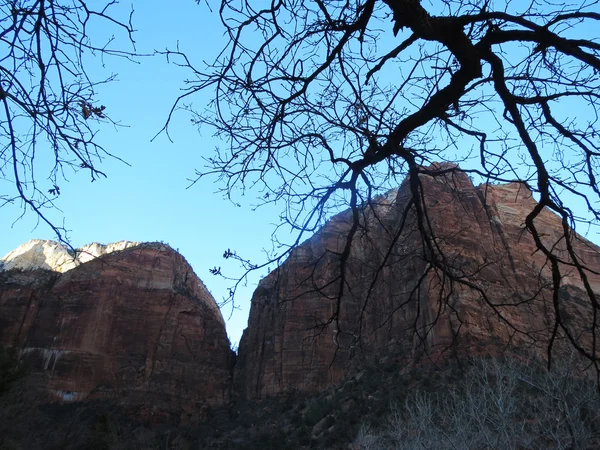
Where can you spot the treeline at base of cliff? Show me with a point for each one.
(476, 404)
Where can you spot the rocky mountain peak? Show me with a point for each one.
(396, 305)
(54, 256)
(127, 322)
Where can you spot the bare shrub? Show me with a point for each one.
(499, 404)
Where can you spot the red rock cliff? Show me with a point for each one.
(398, 304)
(135, 326)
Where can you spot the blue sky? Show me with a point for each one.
(149, 200)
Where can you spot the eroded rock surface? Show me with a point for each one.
(135, 326)
(494, 296)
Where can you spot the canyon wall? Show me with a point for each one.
(135, 326)
(493, 293)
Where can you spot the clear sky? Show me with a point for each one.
(149, 200)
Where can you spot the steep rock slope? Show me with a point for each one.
(494, 296)
(134, 326)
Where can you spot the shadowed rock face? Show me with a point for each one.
(136, 326)
(494, 297)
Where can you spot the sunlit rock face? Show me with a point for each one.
(396, 305)
(135, 326)
(51, 255)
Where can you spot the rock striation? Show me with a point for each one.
(493, 296)
(134, 325)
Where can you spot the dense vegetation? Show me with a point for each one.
(485, 404)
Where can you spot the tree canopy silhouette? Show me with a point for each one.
(324, 104)
(49, 107)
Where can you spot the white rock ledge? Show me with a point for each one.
(51, 255)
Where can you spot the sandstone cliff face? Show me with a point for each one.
(494, 295)
(135, 326)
